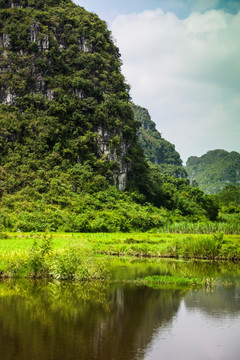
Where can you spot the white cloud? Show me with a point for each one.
(187, 73)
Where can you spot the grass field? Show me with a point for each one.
(202, 246)
(68, 256)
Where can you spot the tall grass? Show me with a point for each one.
(79, 256)
(201, 228)
(76, 261)
(203, 247)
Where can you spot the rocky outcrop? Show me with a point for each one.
(112, 146)
(41, 42)
(4, 40)
(43, 56)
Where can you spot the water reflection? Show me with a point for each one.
(81, 321)
(132, 268)
(223, 301)
(99, 320)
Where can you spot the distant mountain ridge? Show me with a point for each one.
(214, 170)
(157, 150)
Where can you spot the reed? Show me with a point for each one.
(201, 228)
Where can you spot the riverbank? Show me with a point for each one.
(86, 256)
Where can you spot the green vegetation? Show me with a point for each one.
(226, 225)
(68, 134)
(96, 206)
(64, 86)
(88, 256)
(38, 260)
(229, 201)
(214, 170)
(172, 282)
(156, 149)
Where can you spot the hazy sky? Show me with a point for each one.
(182, 61)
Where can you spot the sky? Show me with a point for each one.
(181, 59)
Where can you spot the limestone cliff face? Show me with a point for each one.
(115, 149)
(56, 51)
(41, 44)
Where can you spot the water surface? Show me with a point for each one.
(100, 320)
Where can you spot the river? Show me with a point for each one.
(57, 320)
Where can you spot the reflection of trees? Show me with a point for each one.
(130, 326)
(216, 299)
(224, 300)
(206, 269)
(81, 321)
(123, 269)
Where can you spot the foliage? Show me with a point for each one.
(226, 226)
(214, 170)
(159, 282)
(41, 261)
(71, 256)
(156, 149)
(176, 194)
(82, 200)
(229, 200)
(38, 255)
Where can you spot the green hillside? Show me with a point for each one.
(69, 153)
(214, 170)
(156, 149)
(62, 88)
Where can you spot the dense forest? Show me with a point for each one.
(70, 158)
